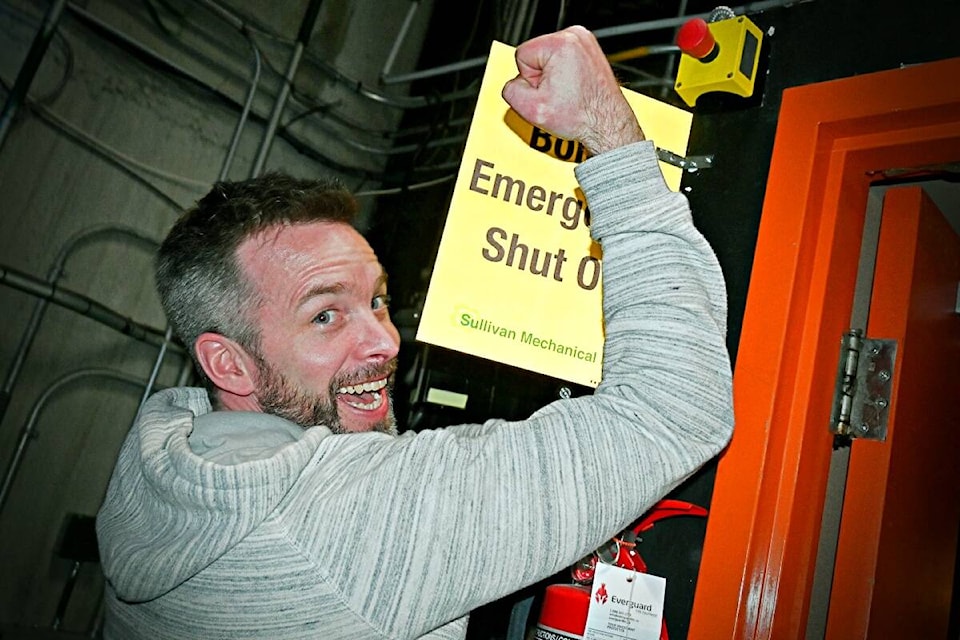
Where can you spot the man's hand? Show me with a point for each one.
(566, 86)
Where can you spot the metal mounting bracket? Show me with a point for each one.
(689, 163)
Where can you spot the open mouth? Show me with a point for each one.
(368, 396)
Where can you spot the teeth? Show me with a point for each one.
(376, 385)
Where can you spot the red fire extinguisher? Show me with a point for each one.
(563, 615)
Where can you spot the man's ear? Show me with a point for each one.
(226, 363)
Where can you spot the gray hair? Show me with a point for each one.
(199, 278)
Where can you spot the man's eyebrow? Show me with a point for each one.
(319, 290)
(337, 287)
(381, 279)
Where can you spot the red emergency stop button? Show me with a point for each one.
(694, 38)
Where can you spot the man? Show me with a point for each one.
(294, 511)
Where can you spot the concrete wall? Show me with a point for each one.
(107, 139)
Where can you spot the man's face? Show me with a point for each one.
(327, 346)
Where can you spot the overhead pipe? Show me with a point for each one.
(245, 112)
(520, 21)
(399, 102)
(357, 87)
(225, 14)
(56, 270)
(28, 70)
(383, 134)
(401, 37)
(97, 24)
(396, 149)
(80, 303)
(636, 27)
(229, 17)
(672, 58)
(28, 431)
(642, 52)
(453, 67)
(666, 23)
(303, 39)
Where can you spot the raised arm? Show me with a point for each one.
(463, 516)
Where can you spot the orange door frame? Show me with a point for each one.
(897, 545)
(833, 139)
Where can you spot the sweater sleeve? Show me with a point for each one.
(451, 519)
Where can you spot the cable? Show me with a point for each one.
(74, 243)
(155, 16)
(104, 151)
(413, 187)
(386, 134)
(82, 304)
(199, 185)
(34, 23)
(126, 162)
(156, 60)
(652, 25)
(468, 42)
(27, 433)
(29, 67)
(356, 86)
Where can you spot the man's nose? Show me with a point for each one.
(380, 339)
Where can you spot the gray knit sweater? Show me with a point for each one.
(378, 536)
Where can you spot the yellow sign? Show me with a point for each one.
(517, 278)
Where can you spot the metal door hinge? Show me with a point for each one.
(861, 402)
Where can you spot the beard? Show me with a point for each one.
(281, 397)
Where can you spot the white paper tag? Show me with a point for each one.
(625, 604)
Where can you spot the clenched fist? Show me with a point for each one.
(566, 86)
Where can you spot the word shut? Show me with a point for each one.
(509, 250)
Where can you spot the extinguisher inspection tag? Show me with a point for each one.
(625, 604)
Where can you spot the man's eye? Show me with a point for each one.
(325, 317)
(380, 302)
